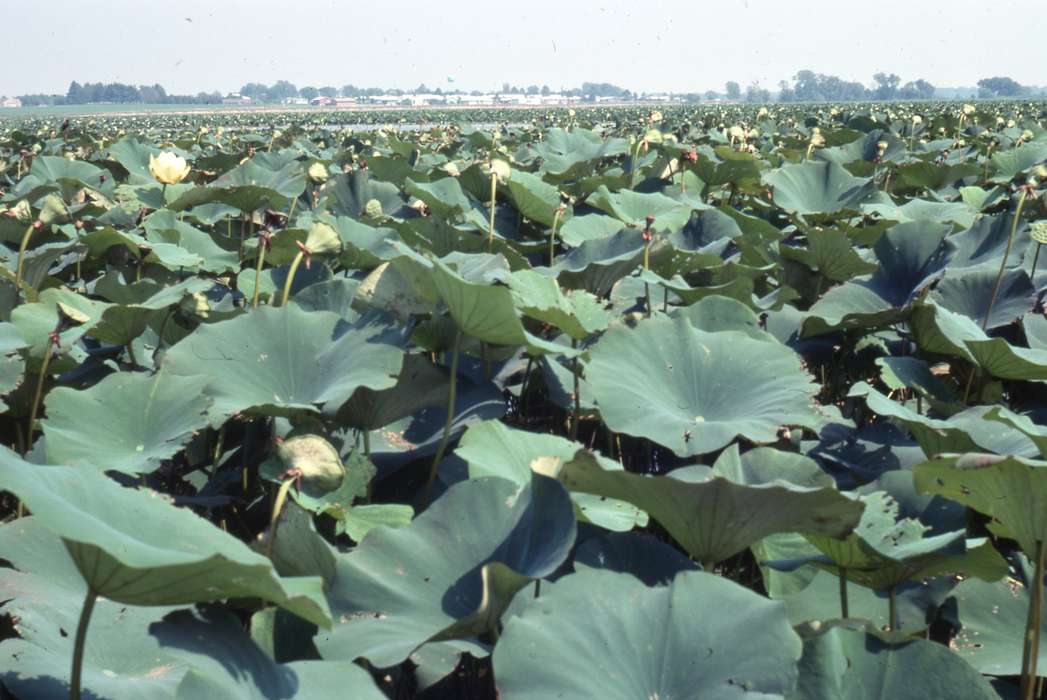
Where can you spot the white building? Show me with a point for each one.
(235, 98)
(13, 102)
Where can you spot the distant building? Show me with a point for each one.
(10, 102)
(322, 101)
(235, 98)
(295, 101)
(345, 101)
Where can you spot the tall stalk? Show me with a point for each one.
(21, 253)
(1006, 254)
(844, 603)
(494, 200)
(577, 392)
(79, 644)
(290, 277)
(1031, 645)
(552, 234)
(452, 396)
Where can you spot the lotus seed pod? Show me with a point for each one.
(318, 173)
(1038, 231)
(373, 209)
(315, 459)
(323, 239)
(168, 168)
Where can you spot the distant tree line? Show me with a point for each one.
(118, 93)
(806, 86)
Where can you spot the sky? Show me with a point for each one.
(190, 46)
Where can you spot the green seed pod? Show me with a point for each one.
(1038, 231)
(315, 459)
(373, 209)
(323, 240)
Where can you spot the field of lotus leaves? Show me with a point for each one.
(705, 402)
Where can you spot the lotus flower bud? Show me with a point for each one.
(1000, 121)
(655, 117)
(571, 112)
(315, 460)
(917, 119)
(736, 133)
(168, 168)
(762, 113)
(1010, 124)
(22, 211)
(1040, 171)
(817, 139)
(968, 109)
(318, 173)
(451, 169)
(1027, 135)
(881, 146)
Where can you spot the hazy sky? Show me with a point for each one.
(679, 45)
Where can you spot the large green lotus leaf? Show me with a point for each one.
(44, 593)
(128, 422)
(965, 431)
(133, 154)
(164, 227)
(121, 541)
(632, 208)
(715, 513)
(992, 618)
(1010, 490)
(349, 193)
(884, 551)
(1035, 327)
(12, 366)
(720, 313)
(830, 253)
(856, 665)
(568, 154)
(494, 449)
(814, 187)
(284, 359)
(579, 229)
(683, 641)
(649, 559)
(535, 198)
(1008, 164)
(405, 586)
(363, 246)
(487, 312)
(969, 293)
(727, 166)
(249, 187)
(939, 330)
(128, 318)
(985, 242)
(910, 255)
(694, 391)
(240, 670)
(538, 296)
(597, 264)
(922, 210)
(421, 385)
(71, 175)
(445, 197)
(921, 175)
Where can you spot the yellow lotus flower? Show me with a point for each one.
(168, 168)
(968, 109)
(762, 113)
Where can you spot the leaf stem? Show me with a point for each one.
(79, 643)
(452, 397)
(845, 608)
(274, 519)
(21, 256)
(1006, 254)
(258, 275)
(35, 407)
(552, 236)
(892, 608)
(1031, 647)
(290, 277)
(577, 393)
(494, 198)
